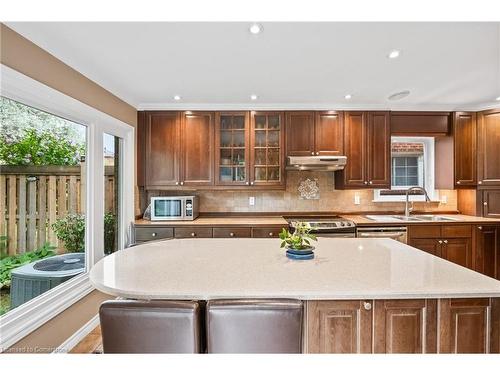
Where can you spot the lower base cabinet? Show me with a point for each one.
(403, 326)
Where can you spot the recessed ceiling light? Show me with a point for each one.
(253, 97)
(399, 95)
(393, 54)
(177, 97)
(348, 96)
(256, 28)
(498, 99)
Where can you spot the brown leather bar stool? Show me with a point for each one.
(254, 326)
(130, 326)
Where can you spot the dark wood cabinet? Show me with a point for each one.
(465, 149)
(487, 250)
(314, 133)
(367, 145)
(329, 133)
(489, 203)
(197, 150)
(450, 242)
(488, 172)
(379, 150)
(420, 123)
(300, 133)
(163, 140)
(465, 326)
(405, 326)
(339, 327)
(267, 151)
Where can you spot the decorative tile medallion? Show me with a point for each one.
(309, 189)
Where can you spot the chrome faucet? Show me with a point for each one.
(408, 209)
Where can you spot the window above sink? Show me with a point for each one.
(412, 164)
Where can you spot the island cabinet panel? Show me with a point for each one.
(464, 326)
(339, 327)
(329, 133)
(197, 167)
(300, 133)
(487, 250)
(405, 326)
(163, 138)
(488, 141)
(465, 149)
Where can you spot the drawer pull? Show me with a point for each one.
(271, 234)
(440, 241)
(445, 241)
(153, 234)
(480, 182)
(231, 234)
(480, 227)
(485, 203)
(193, 234)
(458, 182)
(367, 305)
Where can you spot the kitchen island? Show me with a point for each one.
(362, 295)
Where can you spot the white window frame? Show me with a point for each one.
(429, 179)
(24, 319)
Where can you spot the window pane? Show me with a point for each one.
(112, 190)
(42, 230)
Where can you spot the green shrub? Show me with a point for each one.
(71, 230)
(8, 263)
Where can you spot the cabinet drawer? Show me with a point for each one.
(456, 231)
(148, 234)
(268, 232)
(232, 232)
(193, 232)
(424, 231)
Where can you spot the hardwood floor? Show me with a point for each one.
(91, 344)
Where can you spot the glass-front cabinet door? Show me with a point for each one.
(232, 147)
(266, 148)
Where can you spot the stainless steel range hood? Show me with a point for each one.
(316, 163)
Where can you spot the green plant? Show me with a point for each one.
(71, 230)
(9, 263)
(3, 247)
(300, 239)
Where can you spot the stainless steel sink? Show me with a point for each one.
(403, 218)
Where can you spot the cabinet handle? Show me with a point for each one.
(312, 153)
(480, 227)
(480, 182)
(485, 203)
(231, 234)
(153, 234)
(445, 241)
(440, 241)
(270, 234)
(182, 183)
(193, 234)
(248, 183)
(251, 183)
(317, 153)
(458, 182)
(371, 182)
(177, 182)
(367, 305)
(366, 182)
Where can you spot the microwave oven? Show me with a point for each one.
(174, 208)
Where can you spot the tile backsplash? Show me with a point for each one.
(289, 200)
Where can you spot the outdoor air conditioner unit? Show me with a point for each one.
(33, 279)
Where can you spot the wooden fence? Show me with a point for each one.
(32, 198)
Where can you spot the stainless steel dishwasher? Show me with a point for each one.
(396, 233)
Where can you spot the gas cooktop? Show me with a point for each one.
(323, 223)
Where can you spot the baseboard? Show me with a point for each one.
(78, 336)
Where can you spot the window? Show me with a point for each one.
(412, 164)
(73, 191)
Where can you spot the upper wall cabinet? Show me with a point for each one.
(267, 157)
(367, 145)
(314, 133)
(178, 148)
(420, 123)
(465, 149)
(488, 172)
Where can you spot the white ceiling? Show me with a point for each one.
(446, 66)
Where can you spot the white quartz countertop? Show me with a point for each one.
(344, 268)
